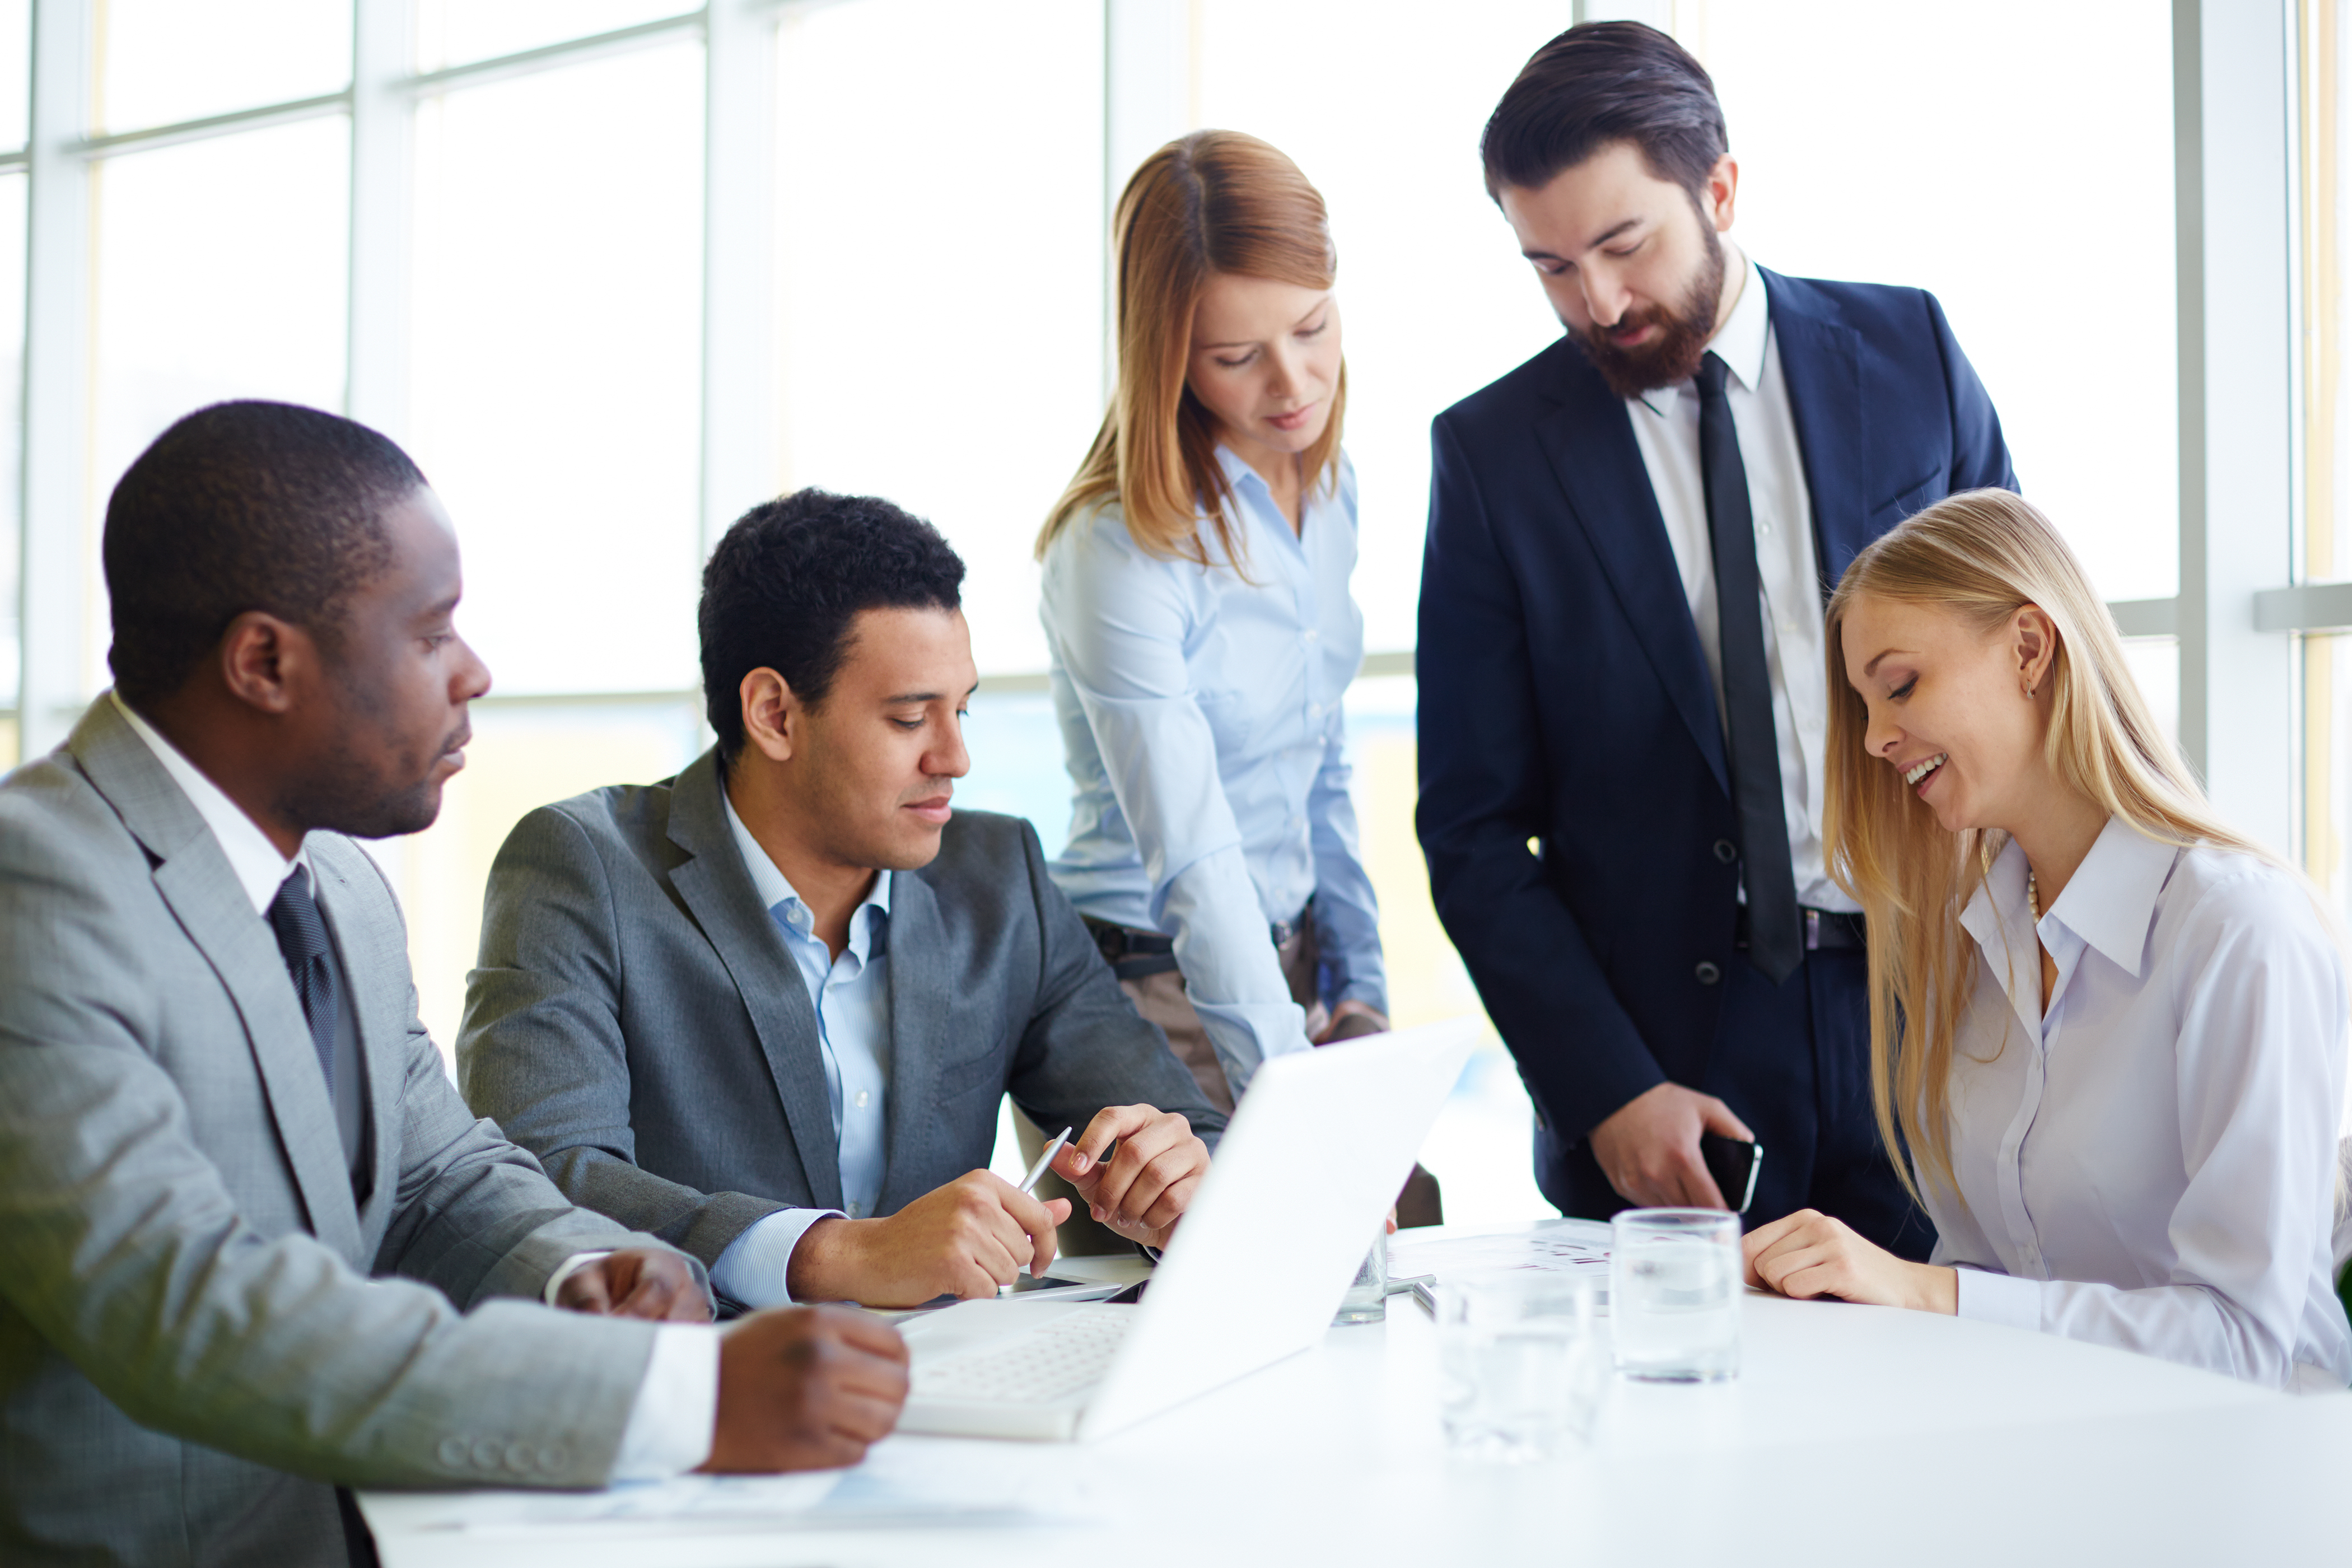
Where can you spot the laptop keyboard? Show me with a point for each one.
(1049, 1364)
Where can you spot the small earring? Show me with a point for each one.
(2029, 694)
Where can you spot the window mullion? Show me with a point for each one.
(57, 580)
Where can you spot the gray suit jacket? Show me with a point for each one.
(639, 1023)
(189, 1342)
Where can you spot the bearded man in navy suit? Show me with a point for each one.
(1623, 686)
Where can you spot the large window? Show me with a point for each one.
(616, 269)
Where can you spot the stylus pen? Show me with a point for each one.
(1030, 1181)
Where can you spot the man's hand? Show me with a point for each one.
(963, 1239)
(1149, 1183)
(1809, 1254)
(805, 1388)
(1649, 1147)
(636, 1282)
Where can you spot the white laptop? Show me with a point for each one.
(1299, 1185)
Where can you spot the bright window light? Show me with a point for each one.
(556, 383)
(163, 61)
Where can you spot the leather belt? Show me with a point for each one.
(1835, 931)
(1134, 954)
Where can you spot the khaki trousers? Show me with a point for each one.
(1161, 999)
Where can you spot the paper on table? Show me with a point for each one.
(1556, 1247)
(906, 1481)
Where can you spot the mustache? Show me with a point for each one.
(457, 739)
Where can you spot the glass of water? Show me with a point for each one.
(1367, 1300)
(1523, 1364)
(1674, 1294)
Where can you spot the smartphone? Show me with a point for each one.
(1734, 1166)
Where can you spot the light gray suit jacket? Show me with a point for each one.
(639, 1023)
(189, 1342)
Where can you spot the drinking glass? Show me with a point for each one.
(1674, 1294)
(1524, 1364)
(1367, 1300)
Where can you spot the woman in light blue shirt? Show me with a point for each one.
(1202, 636)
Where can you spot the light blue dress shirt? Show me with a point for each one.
(1201, 718)
(852, 997)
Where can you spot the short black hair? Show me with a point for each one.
(240, 507)
(785, 584)
(1597, 84)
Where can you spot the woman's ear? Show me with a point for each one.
(2035, 640)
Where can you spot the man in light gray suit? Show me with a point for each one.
(766, 1010)
(219, 1114)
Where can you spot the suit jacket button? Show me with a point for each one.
(518, 1457)
(1707, 973)
(454, 1452)
(1725, 850)
(486, 1454)
(554, 1459)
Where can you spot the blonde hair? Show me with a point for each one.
(1982, 555)
(1214, 202)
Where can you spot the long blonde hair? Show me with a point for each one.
(1215, 200)
(1982, 555)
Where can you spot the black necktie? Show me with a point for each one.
(1775, 944)
(302, 937)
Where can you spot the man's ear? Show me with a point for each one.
(264, 661)
(771, 714)
(1723, 191)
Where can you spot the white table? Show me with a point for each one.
(1853, 1433)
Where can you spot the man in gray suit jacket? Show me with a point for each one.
(219, 1114)
(766, 1010)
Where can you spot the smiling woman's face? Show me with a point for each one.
(1948, 705)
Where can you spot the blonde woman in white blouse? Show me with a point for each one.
(2109, 1031)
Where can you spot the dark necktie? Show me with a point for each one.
(302, 937)
(1775, 943)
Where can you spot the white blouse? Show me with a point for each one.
(2152, 1163)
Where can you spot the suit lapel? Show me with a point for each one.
(194, 878)
(1588, 439)
(718, 891)
(1821, 363)
(918, 1033)
(370, 960)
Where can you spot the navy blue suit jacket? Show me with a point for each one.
(1565, 700)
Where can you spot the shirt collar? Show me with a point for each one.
(1239, 474)
(2108, 904)
(1740, 341)
(2110, 901)
(776, 893)
(1244, 478)
(259, 867)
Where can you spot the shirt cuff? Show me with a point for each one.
(755, 1269)
(670, 1425)
(566, 1269)
(1991, 1297)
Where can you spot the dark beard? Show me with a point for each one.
(1675, 354)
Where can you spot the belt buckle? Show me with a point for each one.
(1812, 930)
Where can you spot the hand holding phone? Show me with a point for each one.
(1734, 1163)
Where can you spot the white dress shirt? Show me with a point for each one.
(2151, 1161)
(852, 997)
(1665, 428)
(670, 1424)
(1201, 715)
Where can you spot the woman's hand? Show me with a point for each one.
(1351, 1019)
(1808, 1254)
